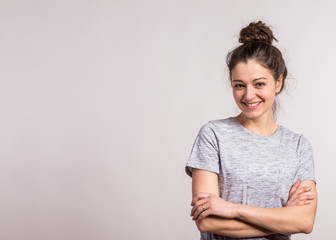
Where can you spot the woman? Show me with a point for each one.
(250, 177)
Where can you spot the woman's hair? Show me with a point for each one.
(256, 39)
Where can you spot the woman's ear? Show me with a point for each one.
(278, 84)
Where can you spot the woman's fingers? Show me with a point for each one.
(294, 187)
(299, 191)
(199, 197)
(212, 205)
(302, 190)
(305, 197)
(305, 202)
(198, 204)
(301, 200)
(201, 212)
(292, 200)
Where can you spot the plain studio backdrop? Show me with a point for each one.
(101, 101)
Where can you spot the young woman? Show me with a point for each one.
(252, 179)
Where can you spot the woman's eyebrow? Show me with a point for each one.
(256, 79)
(259, 78)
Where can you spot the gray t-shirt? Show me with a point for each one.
(252, 169)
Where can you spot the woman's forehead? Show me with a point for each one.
(249, 71)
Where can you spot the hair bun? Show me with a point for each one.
(256, 32)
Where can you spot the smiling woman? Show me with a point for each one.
(251, 178)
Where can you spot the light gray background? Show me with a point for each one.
(101, 101)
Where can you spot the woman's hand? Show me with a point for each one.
(296, 197)
(205, 204)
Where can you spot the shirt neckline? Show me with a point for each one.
(276, 133)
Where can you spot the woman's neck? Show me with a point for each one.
(264, 125)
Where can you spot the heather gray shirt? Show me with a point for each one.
(252, 169)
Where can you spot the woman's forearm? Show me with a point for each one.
(286, 220)
(255, 222)
(231, 227)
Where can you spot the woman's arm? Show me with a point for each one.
(207, 182)
(286, 220)
(231, 227)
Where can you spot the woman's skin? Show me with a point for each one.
(205, 181)
(252, 84)
(254, 90)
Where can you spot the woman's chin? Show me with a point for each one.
(250, 114)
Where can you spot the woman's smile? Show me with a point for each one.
(253, 105)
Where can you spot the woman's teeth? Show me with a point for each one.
(252, 104)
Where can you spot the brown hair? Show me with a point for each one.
(256, 39)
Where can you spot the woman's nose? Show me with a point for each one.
(249, 93)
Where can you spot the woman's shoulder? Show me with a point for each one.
(221, 123)
(220, 126)
(293, 137)
(289, 133)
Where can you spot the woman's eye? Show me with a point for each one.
(260, 84)
(238, 85)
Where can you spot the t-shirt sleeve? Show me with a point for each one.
(204, 154)
(306, 170)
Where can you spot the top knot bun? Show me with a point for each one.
(256, 32)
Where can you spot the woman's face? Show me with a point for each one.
(254, 89)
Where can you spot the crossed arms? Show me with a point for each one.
(213, 214)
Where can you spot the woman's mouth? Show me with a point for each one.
(252, 106)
